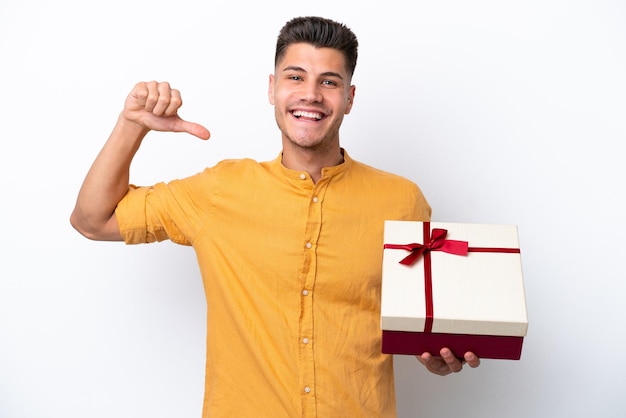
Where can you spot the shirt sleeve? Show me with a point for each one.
(422, 210)
(143, 217)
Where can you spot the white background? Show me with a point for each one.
(503, 112)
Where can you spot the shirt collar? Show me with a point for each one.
(327, 172)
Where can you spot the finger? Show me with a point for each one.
(453, 363)
(434, 364)
(174, 103)
(197, 130)
(151, 96)
(162, 98)
(192, 128)
(472, 359)
(140, 93)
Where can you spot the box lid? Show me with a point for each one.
(479, 293)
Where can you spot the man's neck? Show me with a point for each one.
(311, 161)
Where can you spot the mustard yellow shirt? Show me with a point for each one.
(292, 276)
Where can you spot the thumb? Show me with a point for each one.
(194, 129)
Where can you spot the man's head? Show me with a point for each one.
(311, 88)
(321, 33)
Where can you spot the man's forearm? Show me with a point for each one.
(106, 183)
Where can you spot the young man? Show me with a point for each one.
(289, 250)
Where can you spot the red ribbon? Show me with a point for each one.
(437, 242)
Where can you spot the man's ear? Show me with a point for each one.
(350, 99)
(270, 90)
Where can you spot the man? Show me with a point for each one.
(289, 250)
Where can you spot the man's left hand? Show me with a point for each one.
(447, 363)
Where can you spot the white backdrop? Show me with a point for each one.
(503, 112)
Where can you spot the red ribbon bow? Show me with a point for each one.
(438, 242)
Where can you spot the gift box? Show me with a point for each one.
(452, 285)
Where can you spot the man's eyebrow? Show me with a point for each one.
(294, 68)
(324, 74)
(332, 74)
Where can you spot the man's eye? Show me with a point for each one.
(329, 83)
(295, 78)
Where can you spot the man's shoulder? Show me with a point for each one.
(403, 197)
(233, 165)
(378, 174)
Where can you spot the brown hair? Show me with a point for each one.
(321, 33)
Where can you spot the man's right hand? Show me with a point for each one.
(154, 106)
(149, 106)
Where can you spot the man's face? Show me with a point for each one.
(310, 91)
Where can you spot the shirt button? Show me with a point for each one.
(305, 340)
(309, 245)
(307, 389)
(303, 176)
(305, 292)
(315, 199)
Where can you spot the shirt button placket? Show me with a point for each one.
(307, 333)
(305, 340)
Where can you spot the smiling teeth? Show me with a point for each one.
(310, 115)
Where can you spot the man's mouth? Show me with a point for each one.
(301, 114)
